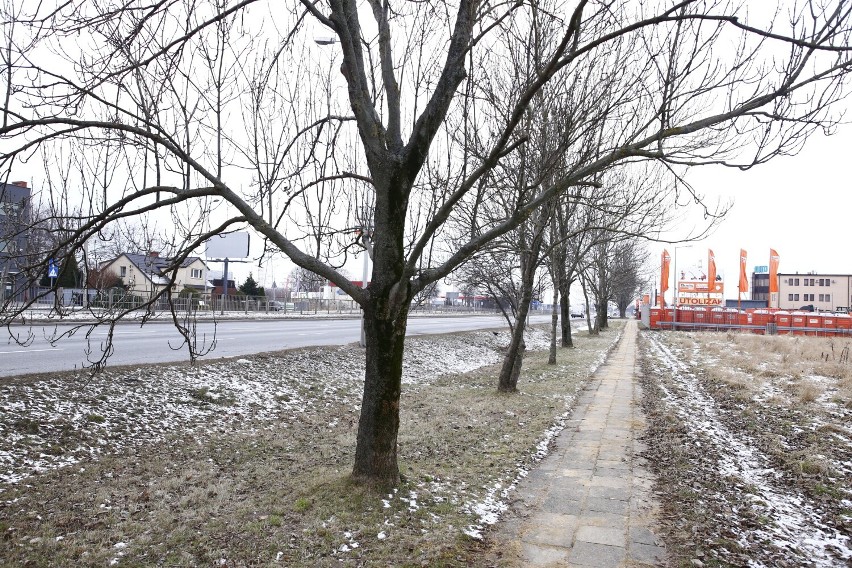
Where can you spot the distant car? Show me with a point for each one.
(577, 315)
(282, 306)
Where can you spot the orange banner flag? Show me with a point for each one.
(774, 259)
(711, 269)
(743, 287)
(664, 275)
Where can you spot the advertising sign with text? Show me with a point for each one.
(700, 287)
(705, 301)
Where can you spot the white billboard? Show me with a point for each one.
(231, 246)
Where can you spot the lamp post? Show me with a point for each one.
(676, 285)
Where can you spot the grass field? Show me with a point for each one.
(751, 442)
(245, 462)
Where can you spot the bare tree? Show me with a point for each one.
(409, 128)
(303, 280)
(627, 274)
(425, 296)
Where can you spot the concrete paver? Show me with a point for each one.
(589, 503)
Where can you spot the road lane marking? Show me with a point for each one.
(31, 350)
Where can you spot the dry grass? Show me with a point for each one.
(276, 492)
(733, 378)
(809, 391)
(785, 398)
(801, 378)
(844, 392)
(807, 368)
(792, 360)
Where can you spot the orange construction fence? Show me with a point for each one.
(761, 321)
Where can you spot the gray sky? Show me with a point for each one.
(801, 206)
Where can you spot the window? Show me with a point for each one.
(808, 297)
(822, 297)
(795, 297)
(196, 273)
(812, 282)
(9, 208)
(828, 297)
(789, 297)
(795, 283)
(805, 283)
(122, 271)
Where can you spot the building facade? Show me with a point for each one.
(826, 292)
(760, 287)
(14, 221)
(146, 274)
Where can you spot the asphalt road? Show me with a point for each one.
(159, 342)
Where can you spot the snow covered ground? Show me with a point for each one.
(56, 422)
(753, 470)
(195, 464)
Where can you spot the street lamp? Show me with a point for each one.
(677, 284)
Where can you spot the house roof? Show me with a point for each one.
(153, 267)
(157, 264)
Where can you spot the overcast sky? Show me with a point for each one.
(801, 206)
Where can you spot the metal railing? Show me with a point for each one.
(118, 299)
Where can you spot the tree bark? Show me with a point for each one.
(601, 316)
(593, 329)
(565, 305)
(554, 323)
(513, 360)
(604, 280)
(378, 426)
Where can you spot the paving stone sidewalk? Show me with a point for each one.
(589, 503)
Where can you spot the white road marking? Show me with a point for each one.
(31, 350)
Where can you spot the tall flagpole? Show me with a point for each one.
(741, 279)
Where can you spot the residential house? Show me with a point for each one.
(218, 286)
(146, 274)
(14, 216)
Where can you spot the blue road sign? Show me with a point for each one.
(52, 269)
